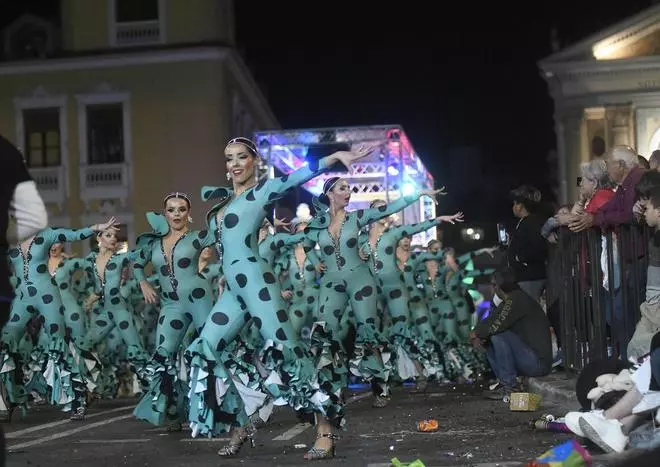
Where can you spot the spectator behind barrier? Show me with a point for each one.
(623, 168)
(527, 252)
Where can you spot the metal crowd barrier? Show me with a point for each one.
(597, 281)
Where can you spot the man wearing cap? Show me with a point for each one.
(527, 252)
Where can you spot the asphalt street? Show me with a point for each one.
(473, 432)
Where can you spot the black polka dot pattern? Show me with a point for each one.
(231, 220)
(264, 295)
(220, 318)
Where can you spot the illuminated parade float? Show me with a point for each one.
(393, 170)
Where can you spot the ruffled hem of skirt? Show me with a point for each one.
(215, 402)
(165, 399)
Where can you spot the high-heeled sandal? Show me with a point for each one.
(174, 427)
(5, 415)
(421, 386)
(315, 453)
(234, 447)
(380, 402)
(78, 415)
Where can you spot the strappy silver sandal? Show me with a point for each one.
(380, 402)
(234, 447)
(316, 454)
(78, 415)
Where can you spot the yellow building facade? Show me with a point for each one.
(134, 103)
(606, 91)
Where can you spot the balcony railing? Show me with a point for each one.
(51, 182)
(137, 33)
(104, 181)
(596, 283)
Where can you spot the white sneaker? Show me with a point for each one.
(605, 433)
(650, 401)
(572, 421)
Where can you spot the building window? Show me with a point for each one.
(135, 11)
(42, 137)
(105, 134)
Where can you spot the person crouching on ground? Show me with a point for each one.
(516, 336)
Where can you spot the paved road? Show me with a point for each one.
(474, 432)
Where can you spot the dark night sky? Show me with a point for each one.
(465, 76)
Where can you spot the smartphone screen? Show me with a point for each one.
(501, 233)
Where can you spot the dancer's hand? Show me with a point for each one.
(458, 217)
(363, 254)
(320, 267)
(286, 225)
(149, 293)
(287, 294)
(90, 301)
(348, 157)
(477, 343)
(112, 224)
(434, 193)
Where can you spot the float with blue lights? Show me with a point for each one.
(394, 170)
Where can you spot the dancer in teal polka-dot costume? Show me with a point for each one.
(302, 282)
(252, 292)
(185, 297)
(381, 245)
(430, 348)
(456, 317)
(115, 313)
(37, 292)
(430, 275)
(74, 316)
(347, 279)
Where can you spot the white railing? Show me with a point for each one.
(104, 181)
(51, 182)
(137, 33)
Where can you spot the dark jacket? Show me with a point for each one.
(528, 251)
(522, 315)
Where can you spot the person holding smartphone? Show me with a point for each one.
(527, 251)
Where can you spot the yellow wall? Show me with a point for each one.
(199, 21)
(85, 23)
(178, 121)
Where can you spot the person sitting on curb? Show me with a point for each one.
(516, 336)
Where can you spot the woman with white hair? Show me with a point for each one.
(596, 189)
(623, 169)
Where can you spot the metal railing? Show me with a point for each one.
(138, 33)
(597, 278)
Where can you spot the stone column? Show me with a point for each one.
(568, 125)
(618, 118)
